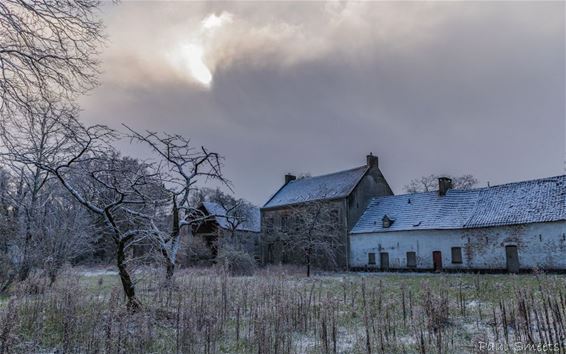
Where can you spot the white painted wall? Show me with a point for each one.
(540, 245)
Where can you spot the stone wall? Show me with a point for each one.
(273, 252)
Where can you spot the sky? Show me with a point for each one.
(313, 87)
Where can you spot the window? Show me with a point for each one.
(269, 225)
(335, 216)
(456, 255)
(371, 258)
(284, 223)
(387, 221)
(411, 259)
(298, 223)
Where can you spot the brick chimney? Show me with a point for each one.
(371, 160)
(444, 184)
(289, 177)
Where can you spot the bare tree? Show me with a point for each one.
(464, 182)
(235, 213)
(310, 231)
(61, 229)
(430, 183)
(67, 230)
(182, 168)
(48, 50)
(48, 56)
(8, 270)
(121, 191)
(27, 141)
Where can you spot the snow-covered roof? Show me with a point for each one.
(253, 224)
(330, 186)
(540, 200)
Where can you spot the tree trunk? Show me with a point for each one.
(25, 266)
(170, 271)
(30, 215)
(129, 290)
(52, 277)
(170, 255)
(308, 265)
(24, 270)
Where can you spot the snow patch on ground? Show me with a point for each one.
(304, 343)
(98, 272)
(474, 303)
(407, 340)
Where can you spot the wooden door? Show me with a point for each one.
(437, 261)
(384, 260)
(512, 259)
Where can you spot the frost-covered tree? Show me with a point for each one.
(48, 51)
(48, 57)
(181, 168)
(68, 231)
(62, 230)
(120, 191)
(7, 230)
(27, 141)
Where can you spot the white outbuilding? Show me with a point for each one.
(512, 227)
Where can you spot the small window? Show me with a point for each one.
(284, 223)
(335, 216)
(411, 259)
(387, 221)
(371, 258)
(456, 255)
(269, 225)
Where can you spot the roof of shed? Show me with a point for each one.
(330, 186)
(219, 212)
(540, 200)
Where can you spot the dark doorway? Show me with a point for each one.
(512, 259)
(437, 261)
(411, 259)
(270, 257)
(384, 260)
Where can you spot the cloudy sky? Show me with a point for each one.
(276, 87)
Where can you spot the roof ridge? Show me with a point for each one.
(525, 181)
(328, 174)
(478, 188)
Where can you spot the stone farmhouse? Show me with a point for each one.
(512, 227)
(345, 195)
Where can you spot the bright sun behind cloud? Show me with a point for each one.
(192, 55)
(189, 57)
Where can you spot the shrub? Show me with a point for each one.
(198, 253)
(236, 261)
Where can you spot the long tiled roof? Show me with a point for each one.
(331, 186)
(540, 200)
(253, 224)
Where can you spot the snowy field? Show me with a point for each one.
(280, 311)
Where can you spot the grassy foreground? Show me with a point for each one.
(207, 311)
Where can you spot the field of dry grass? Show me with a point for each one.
(277, 311)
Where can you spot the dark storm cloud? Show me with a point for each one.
(430, 88)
